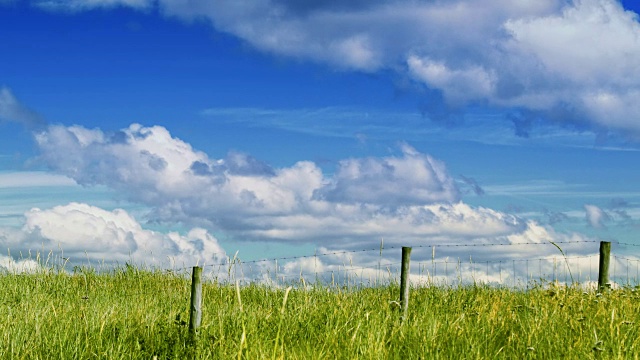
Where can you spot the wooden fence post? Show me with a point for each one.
(603, 268)
(404, 281)
(195, 313)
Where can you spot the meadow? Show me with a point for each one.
(129, 313)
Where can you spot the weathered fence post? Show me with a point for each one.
(404, 281)
(603, 268)
(195, 312)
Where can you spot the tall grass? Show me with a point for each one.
(134, 314)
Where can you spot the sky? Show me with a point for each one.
(179, 132)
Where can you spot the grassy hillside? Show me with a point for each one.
(132, 314)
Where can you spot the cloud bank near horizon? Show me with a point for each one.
(567, 61)
(81, 232)
(76, 234)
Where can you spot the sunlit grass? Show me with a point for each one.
(134, 314)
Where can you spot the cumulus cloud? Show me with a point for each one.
(403, 198)
(408, 199)
(596, 216)
(457, 85)
(588, 41)
(577, 57)
(12, 110)
(10, 265)
(385, 181)
(84, 232)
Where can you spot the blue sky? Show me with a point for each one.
(166, 129)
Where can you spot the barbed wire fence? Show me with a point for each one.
(425, 272)
(437, 264)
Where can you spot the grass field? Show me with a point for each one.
(135, 314)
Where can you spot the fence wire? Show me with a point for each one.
(371, 266)
(498, 263)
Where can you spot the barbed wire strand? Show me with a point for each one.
(379, 249)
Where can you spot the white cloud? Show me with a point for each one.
(84, 232)
(13, 266)
(134, 158)
(588, 55)
(593, 42)
(407, 198)
(609, 107)
(581, 56)
(540, 55)
(354, 226)
(385, 181)
(595, 216)
(458, 85)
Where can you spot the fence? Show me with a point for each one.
(503, 264)
(514, 264)
(407, 277)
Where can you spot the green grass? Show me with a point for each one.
(134, 314)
